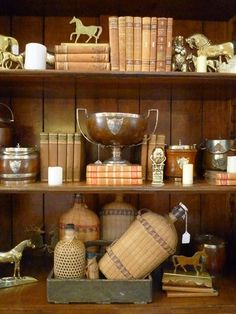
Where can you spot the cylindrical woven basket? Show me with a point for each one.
(149, 240)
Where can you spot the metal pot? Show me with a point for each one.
(18, 165)
(215, 153)
(176, 156)
(6, 128)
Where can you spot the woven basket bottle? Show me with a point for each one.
(149, 240)
(116, 217)
(86, 222)
(69, 256)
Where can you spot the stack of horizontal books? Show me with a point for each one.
(220, 177)
(82, 57)
(188, 284)
(107, 174)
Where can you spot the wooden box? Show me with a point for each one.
(98, 290)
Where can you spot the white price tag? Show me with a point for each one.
(186, 235)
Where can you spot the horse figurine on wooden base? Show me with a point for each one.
(195, 261)
(15, 255)
(7, 59)
(91, 31)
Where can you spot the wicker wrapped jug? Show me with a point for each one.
(86, 221)
(149, 240)
(116, 217)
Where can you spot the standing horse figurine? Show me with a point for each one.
(15, 255)
(91, 31)
(196, 261)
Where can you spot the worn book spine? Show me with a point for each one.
(82, 57)
(115, 174)
(82, 48)
(187, 288)
(175, 294)
(77, 158)
(114, 42)
(52, 149)
(61, 150)
(143, 157)
(114, 168)
(151, 146)
(146, 39)
(161, 43)
(43, 156)
(225, 176)
(137, 43)
(114, 181)
(69, 156)
(153, 43)
(129, 43)
(83, 66)
(169, 38)
(122, 43)
(224, 182)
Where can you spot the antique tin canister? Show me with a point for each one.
(215, 153)
(18, 165)
(177, 156)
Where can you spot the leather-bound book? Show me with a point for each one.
(83, 66)
(82, 57)
(161, 43)
(61, 150)
(114, 42)
(129, 43)
(122, 42)
(153, 43)
(146, 39)
(69, 156)
(82, 48)
(77, 158)
(137, 43)
(143, 157)
(169, 37)
(44, 156)
(52, 149)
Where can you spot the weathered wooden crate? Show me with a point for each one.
(98, 290)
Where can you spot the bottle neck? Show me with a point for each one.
(69, 234)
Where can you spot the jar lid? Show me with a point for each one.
(209, 240)
(182, 147)
(18, 150)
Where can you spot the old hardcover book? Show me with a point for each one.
(143, 157)
(82, 57)
(161, 43)
(137, 43)
(223, 181)
(220, 175)
(151, 146)
(114, 42)
(77, 160)
(114, 168)
(187, 289)
(82, 48)
(83, 66)
(129, 43)
(43, 156)
(175, 294)
(69, 156)
(153, 43)
(61, 150)
(169, 38)
(52, 149)
(114, 181)
(122, 42)
(189, 279)
(115, 174)
(146, 39)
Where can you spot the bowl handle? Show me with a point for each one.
(78, 112)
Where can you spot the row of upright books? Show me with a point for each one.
(140, 43)
(65, 150)
(82, 56)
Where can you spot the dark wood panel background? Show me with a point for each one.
(183, 114)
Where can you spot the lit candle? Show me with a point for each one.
(54, 175)
(187, 178)
(231, 164)
(201, 64)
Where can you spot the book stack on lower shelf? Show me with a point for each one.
(65, 150)
(114, 174)
(140, 43)
(82, 57)
(220, 177)
(188, 284)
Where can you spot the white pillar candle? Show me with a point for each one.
(35, 56)
(231, 164)
(201, 64)
(55, 175)
(187, 177)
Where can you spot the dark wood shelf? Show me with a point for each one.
(198, 187)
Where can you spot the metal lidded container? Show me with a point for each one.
(177, 156)
(19, 165)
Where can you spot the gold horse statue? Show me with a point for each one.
(15, 255)
(91, 31)
(196, 261)
(9, 44)
(8, 59)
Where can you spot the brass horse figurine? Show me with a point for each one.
(8, 58)
(196, 261)
(15, 255)
(91, 31)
